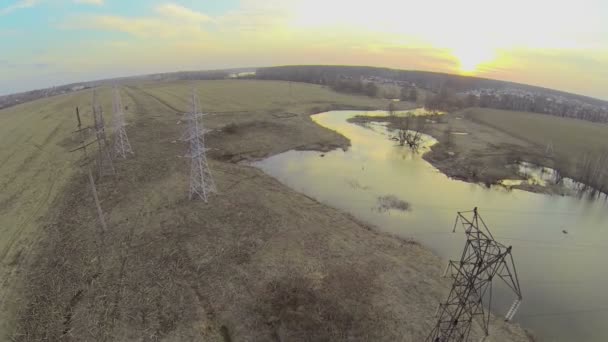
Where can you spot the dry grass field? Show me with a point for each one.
(569, 140)
(259, 262)
(485, 144)
(35, 166)
(568, 136)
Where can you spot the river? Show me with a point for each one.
(560, 244)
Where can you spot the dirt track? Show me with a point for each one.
(260, 262)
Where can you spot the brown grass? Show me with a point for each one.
(260, 262)
(570, 139)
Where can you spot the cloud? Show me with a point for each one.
(9, 33)
(21, 4)
(171, 22)
(90, 2)
(142, 27)
(32, 65)
(182, 13)
(273, 32)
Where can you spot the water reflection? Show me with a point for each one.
(545, 177)
(562, 275)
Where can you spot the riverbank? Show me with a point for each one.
(259, 262)
(476, 153)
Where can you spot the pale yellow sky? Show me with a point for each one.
(556, 44)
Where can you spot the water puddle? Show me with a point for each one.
(543, 176)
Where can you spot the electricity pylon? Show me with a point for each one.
(122, 147)
(85, 163)
(549, 149)
(105, 166)
(201, 180)
(483, 259)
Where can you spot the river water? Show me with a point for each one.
(560, 244)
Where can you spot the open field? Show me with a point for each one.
(484, 144)
(34, 168)
(260, 262)
(571, 139)
(568, 136)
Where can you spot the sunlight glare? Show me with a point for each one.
(470, 58)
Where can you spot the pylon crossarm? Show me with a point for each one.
(483, 258)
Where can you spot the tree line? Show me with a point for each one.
(448, 89)
(539, 103)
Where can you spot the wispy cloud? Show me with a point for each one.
(9, 33)
(168, 36)
(90, 2)
(33, 65)
(150, 27)
(182, 13)
(21, 4)
(171, 21)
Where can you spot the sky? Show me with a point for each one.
(559, 44)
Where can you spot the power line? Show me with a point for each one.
(548, 244)
(574, 245)
(498, 210)
(564, 313)
(122, 146)
(506, 211)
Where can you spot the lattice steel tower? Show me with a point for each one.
(105, 166)
(483, 259)
(122, 147)
(201, 180)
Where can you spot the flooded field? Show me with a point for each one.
(559, 243)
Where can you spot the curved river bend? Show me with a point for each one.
(563, 275)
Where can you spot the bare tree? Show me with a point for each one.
(391, 109)
(447, 137)
(592, 171)
(472, 101)
(561, 164)
(404, 95)
(413, 97)
(410, 130)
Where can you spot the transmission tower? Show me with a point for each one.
(483, 259)
(105, 166)
(201, 180)
(122, 147)
(549, 149)
(85, 163)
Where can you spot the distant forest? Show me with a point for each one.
(432, 81)
(451, 91)
(23, 97)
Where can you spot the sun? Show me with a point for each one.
(470, 58)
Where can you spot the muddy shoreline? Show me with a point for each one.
(488, 165)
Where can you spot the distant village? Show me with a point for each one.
(15, 99)
(527, 101)
(512, 99)
(509, 98)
